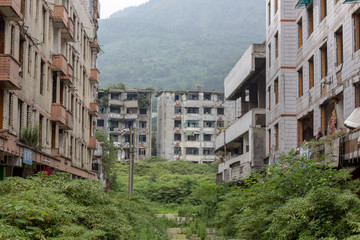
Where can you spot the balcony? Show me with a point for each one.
(69, 122)
(68, 78)
(116, 116)
(93, 143)
(11, 9)
(58, 114)
(60, 18)
(59, 63)
(94, 109)
(9, 72)
(94, 75)
(95, 46)
(67, 33)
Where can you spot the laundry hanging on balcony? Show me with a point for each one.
(303, 3)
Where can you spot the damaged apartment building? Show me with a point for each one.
(312, 76)
(48, 84)
(188, 122)
(242, 143)
(124, 112)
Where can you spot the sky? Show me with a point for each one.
(108, 7)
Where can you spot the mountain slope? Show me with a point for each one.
(178, 44)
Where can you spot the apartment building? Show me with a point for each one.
(188, 122)
(243, 143)
(126, 117)
(48, 86)
(312, 74)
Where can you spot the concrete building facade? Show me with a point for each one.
(124, 109)
(48, 87)
(244, 142)
(312, 74)
(188, 122)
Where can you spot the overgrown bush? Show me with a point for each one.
(31, 136)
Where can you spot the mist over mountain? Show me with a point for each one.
(178, 44)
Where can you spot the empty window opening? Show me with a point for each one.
(207, 96)
(207, 110)
(306, 128)
(300, 81)
(193, 110)
(177, 137)
(324, 61)
(177, 123)
(192, 151)
(193, 96)
(209, 124)
(178, 110)
(132, 96)
(339, 46)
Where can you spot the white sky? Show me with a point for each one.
(108, 7)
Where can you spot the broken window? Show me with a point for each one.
(177, 150)
(129, 124)
(207, 110)
(115, 109)
(192, 151)
(207, 96)
(332, 116)
(220, 111)
(300, 85)
(177, 96)
(100, 122)
(306, 128)
(339, 46)
(207, 137)
(300, 33)
(131, 110)
(324, 63)
(192, 123)
(142, 151)
(142, 138)
(193, 137)
(142, 124)
(178, 110)
(177, 137)
(220, 124)
(193, 96)
(208, 151)
(143, 110)
(194, 110)
(114, 137)
(132, 96)
(177, 123)
(220, 97)
(209, 124)
(115, 96)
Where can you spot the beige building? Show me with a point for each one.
(124, 109)
(312, 74)
(243, 142)
(48, 80)
(188, 122)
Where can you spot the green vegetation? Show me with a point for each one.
(57, 207)
(178, 44)
(31, 136)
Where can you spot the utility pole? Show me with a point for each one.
(131, 163)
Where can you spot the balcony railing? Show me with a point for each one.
(93, 143)
(58, 114)
(11, 9)
(59, 63)
(60, 16)
(94, 75)
(94, 109)
(9, 72)
(95, 46)
(68, 78)
(69, 124)
(67, 33)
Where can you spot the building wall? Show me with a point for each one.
(34, 43)
(166, 129)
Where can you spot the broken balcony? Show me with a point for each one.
(60, 18)
(93, 143)
(94, 109)
(67, 33)
(59, 63)
(58, 114)
(9, 72)
(94, 75)
(12, 9)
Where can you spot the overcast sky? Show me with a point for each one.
(108, 7)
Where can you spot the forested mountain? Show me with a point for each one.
(178, 44)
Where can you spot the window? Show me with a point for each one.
(177, 150)
(276, 90)
(115, 109)
(269, 94)
(269, 132)
(324, 63)
(220, 111)
(192, 123)
(276, 45)
(306, 128)
(142, 138)
(300, 77)
(220, 97)
(194, 110)
(131, 110)
(209, 124)
(311, 72)
(269, 12)
(207, 96)
(310, 13)
(193, 137)
(323, 9)
(276, 6)
(220, 124)
(339, 46)
(115, 96)
(208, 151)
(207, 137)
(129, 124)
(207, 110)
(177, 137)
(142, 124)
(100, 123)
(300, 33)
(142, 151)
(42, 76)
(356, 17)
(357, 95)
(269, 50)
(192, 151)
(193, 96)
(132, 96)
(178, 110)
(177, 123)
(177, 97)
(114, 137)
(277, 137)
(143, 110)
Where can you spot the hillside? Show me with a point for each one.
(178, 44)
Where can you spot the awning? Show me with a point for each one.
(351, 1)
(353, 121)
(303, 3)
